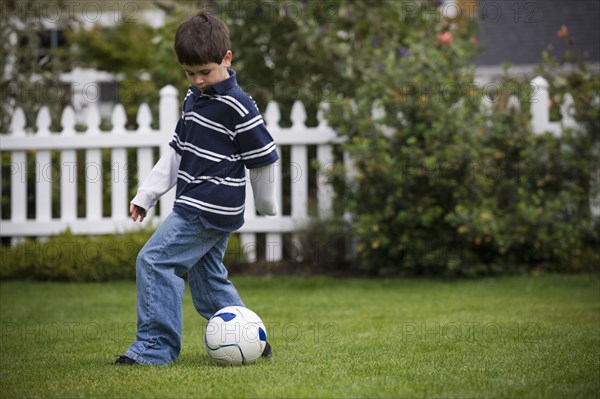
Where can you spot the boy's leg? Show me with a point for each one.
(176, 246)
(210, 288)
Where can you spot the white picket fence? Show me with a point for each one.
(68, 142)
(18, 142)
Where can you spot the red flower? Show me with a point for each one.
(563, 32)
(445, 38)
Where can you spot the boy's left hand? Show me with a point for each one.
(137, 211)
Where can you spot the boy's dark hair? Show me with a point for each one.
(202, 39)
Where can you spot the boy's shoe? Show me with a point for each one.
(125, 361)
(267, 353)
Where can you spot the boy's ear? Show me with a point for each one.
(227, 59)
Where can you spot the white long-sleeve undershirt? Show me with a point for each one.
(262, 181)
(161, 179)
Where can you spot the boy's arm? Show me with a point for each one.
(263, 188)
(161, 179)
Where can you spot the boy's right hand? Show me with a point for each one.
(137, 211)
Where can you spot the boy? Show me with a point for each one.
(219, 135)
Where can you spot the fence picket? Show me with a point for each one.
(248, 239)
(273, 247)
(567, 111)
(68, 186)
(513, 102)
(118, 119)
(119, 184)
(17, 124)
(248, 247)
(299, 181)
(168, 115)
(325, 175)
(145, 155)
(298, 116)
(67, 162)
(273, 238)
(144, 118)
(94, 207)
(43, 182)
(120, 171)
(277, 175)
(272, 116)
(68, 120)
(299, 191)
(93, 170)
(18, 178)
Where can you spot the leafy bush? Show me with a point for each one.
(69, 257)
(447, 184)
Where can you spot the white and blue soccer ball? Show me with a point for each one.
(235, 335)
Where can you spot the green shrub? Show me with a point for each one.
(530, 210)
(444, 185)
(69, 257)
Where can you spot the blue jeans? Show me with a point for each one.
(179, 245)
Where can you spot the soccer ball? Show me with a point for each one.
(235, 335)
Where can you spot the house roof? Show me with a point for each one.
(518, 31)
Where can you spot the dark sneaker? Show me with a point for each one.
(267, 353)
(125, 361)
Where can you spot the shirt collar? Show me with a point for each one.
(218, 88)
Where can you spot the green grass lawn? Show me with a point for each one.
(533, 337)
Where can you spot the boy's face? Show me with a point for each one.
(202, 76)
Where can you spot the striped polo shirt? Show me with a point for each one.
(219, 135)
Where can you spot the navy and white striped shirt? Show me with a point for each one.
(219, 135)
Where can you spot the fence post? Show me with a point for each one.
(540, 114)
(168, 115)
